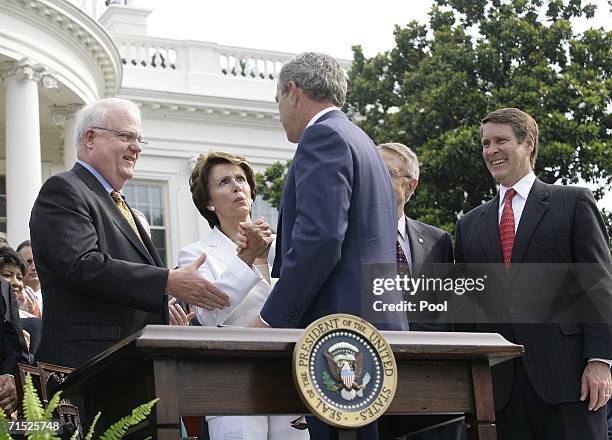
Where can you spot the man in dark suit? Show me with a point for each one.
(557, 390)
(337, 211)
(100, 274)
(419, 244)
(10, 355)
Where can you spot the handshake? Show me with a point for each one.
(253, 241)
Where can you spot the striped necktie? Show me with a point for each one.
(118, 199)
(506, 228)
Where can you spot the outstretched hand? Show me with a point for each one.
(187, 284)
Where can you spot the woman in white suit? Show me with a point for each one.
(223, 189)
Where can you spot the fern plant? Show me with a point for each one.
(34, 412)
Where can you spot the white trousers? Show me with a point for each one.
(254, 428)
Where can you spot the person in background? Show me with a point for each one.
(28, 327)
(10, 355)
(417, 244)
(223, 188)
(31, 282)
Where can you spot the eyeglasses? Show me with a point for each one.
(399, 176)
(126, 136)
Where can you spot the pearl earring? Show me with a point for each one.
(211, 208)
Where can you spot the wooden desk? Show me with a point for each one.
(231, 371)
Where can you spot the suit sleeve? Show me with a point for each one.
(590, 241)
(65, 241)
(236, 281)
(323, 169)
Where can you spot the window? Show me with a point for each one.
(261, 208)
(147, 197)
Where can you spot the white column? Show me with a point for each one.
(63, 116)
(22, 129)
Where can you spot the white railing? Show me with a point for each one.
(233, 62)
(148, 53)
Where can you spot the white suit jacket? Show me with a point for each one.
(245, 286)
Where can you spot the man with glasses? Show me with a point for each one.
(101, 276)
(417, 244)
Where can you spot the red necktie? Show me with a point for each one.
(506, 228)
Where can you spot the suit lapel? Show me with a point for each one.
(535, 207)
(489, 227)
(418, 245)
(115, 214)
(224, 248)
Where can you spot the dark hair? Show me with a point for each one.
(9, 256)
(198, 182)
(25, 243)
(522, 124)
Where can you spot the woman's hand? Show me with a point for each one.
(254, 240)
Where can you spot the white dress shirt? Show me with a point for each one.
(316, 117)
(522, 188)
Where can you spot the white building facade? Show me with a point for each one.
(195, 96)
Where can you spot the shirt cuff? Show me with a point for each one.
(607, 361)
(264, 321)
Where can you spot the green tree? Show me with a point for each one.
(474, 56)
(270, 183)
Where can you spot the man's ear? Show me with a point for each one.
(530, 142)
(89, 137)
(293, 92)
(411, 186)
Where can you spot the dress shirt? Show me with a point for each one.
(522, 188)
(321, 113)
(404, 240)
(107, 186)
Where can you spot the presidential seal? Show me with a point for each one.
(344, 371)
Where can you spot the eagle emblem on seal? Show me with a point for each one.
(345, 364)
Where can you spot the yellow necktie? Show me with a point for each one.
(125, 211)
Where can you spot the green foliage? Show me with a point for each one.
(270, 183)
(4, 435)
(119, 428)
(34, 411)
(474, 56)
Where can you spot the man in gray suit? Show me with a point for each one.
(101, 276)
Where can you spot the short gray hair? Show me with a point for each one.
(410, 159)
(94, 115)
(318, 74)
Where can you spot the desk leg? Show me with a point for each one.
(482, 422)
(166, 411)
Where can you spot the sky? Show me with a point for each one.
(330, 26)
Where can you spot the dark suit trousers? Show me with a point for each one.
(527, 417)
(321, 431)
